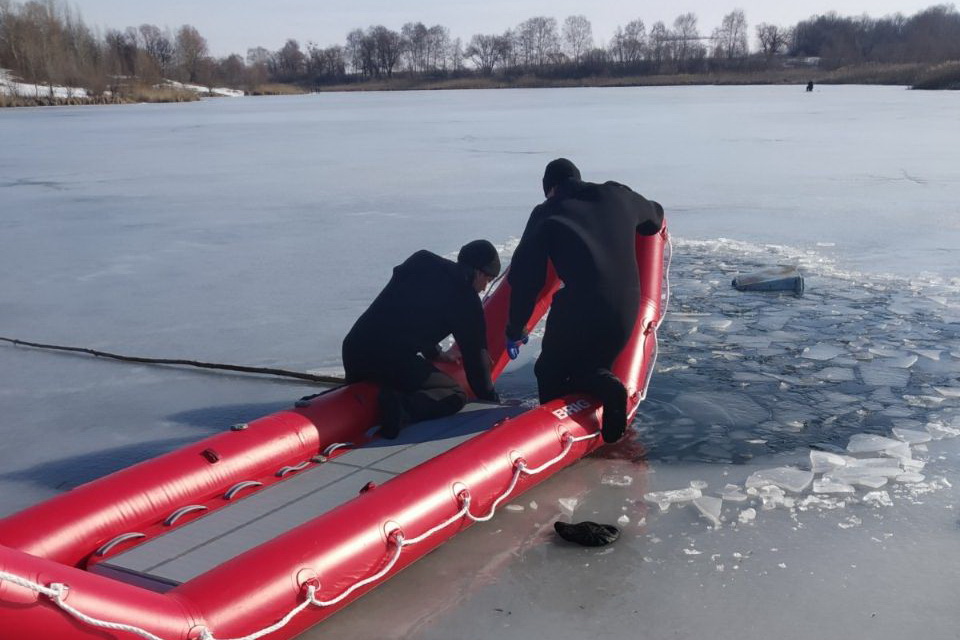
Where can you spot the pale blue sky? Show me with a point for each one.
(234, 26)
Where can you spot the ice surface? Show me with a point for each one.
(789, 478)
(710, 508)
(151, 240)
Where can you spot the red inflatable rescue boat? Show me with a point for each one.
(265, 530)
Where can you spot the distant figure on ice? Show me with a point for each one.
(810, 86)
(393, 342)
(589, 233)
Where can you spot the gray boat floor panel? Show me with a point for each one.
(210, 540)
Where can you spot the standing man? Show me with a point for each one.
(395, 340)
(589, 233)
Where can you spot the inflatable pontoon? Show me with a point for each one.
(266, 529)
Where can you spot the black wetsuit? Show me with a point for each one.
(589, 233)
(427, 299)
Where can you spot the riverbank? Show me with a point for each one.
(916, 76)
(943, 76)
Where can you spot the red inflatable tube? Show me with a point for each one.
(335, 557)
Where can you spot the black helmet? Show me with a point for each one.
(480, 255)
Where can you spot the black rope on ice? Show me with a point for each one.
(184, 363)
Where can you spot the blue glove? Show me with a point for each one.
(513, 346)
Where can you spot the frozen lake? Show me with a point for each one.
(254, 231)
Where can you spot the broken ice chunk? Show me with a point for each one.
(871, 482)
(832, 485)
(869, 443)
(568, 505)
(823, 461)
(835, 374)
(911, 436)
(747, 515)
(878, 499)
(623, 521)
(941, 431)
(613, 480)
(732, 493)
(514, 507)
(664, 499)
(883, 375)
(772, 497)
(948, 392)
(789, 478)
(709, 508)
(821, 351)
(910, 477)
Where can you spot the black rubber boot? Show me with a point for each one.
(611, 393)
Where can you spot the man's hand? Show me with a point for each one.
(513, 346)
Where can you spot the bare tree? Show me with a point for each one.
(772, 38)
(577, 36)
(538, 41)
(659, 43)
(687, 47)
(258, 67)
(158, 46)
(730, 38)
(415, 46)
(290, 61)
(487, 51)
(191, 50)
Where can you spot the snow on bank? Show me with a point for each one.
(217, 91)
(10, 87)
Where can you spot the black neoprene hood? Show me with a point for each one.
(557, 171)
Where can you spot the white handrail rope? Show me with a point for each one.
(27, 584)
(459, 514)
(397, 539)
(501, 498)
(284, 621)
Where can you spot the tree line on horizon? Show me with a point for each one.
(44, 42)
